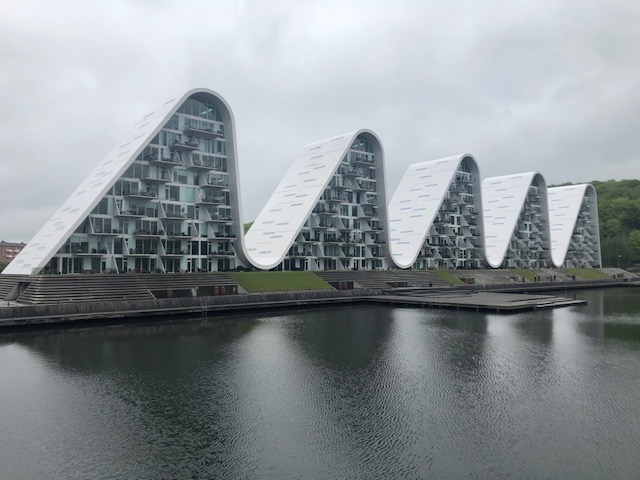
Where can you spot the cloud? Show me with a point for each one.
(548, 86)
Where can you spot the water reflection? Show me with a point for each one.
(334, 393)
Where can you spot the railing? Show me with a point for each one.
(188, 145)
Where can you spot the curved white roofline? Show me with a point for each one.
(64, 222)
(503, 199)
(564, 207)
(280, 221)
(416, 202)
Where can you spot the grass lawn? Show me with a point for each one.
(279, 281)
(525, 273)
(587, 273)
(447, 277)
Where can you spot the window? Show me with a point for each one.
(102, 208)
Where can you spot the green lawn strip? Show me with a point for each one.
(447, 277)
(279, 281)
(587, 273)
(525, 273)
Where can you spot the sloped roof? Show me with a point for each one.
(564, 207)
(57, 230)
(503, 199)
(283, 216)
(415, 204)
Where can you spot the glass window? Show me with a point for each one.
(173, 123)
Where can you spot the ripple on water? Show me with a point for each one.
(340, 393)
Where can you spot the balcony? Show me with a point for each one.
(164, 161)
(333, 239)
(220, 253)
(163, 177)
(297, 253)
(350, 172)
(89, 252)
(138, 252)
(367, 213)
(176, 216)
(140, 194)
(216, 183)
(325, 211)
(175, 253)
(223, 236)
(220, 218)
(147, 233)
(187, 146)
(174, 234)
(201, 164)
(362, 160)
(202, 132)
(131, 213)
(359, 187)
(212, 200)
(100, 231)
(325, 225)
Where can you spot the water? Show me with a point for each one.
(332, 393)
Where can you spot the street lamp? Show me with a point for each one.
(619, 257)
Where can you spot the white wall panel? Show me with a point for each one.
(502, 199)
(415, 204)
(277, 225)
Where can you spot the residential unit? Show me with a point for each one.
(328, 212)
(165, 199)
(435, 216)
(9, 250)
(575, 232)
(516, 221)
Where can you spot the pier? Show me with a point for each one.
(476, 300)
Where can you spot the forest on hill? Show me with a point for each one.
(619, 218)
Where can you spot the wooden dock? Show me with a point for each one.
(478, 301)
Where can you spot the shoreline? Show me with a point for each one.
(65, 315)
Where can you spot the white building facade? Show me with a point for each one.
(574, 227)
(166, 199)
(435, 216)
(516, 221)
(328, 212)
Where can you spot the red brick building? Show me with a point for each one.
(8, 250)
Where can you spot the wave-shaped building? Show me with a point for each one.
(165, 199)
(516, 221)
(435, 215)
(328, 212)
(574, 227)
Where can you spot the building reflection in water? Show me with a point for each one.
(330, 393)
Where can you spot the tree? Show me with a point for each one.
(616, 251)
(619, 218)
(634, 241)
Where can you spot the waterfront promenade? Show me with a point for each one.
(64, 300)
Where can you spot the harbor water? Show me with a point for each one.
(355, 392)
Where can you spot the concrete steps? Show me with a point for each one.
(8, 283)
(52, 289)
(384, 278)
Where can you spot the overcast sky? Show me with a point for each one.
(552, 86)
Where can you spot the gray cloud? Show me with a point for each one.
(548, 86)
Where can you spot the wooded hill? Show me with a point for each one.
(619, 217)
